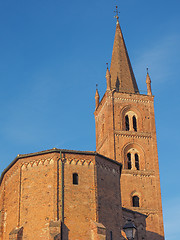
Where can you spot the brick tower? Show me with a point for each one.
(125, 132)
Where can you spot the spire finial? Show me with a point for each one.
(96, 86)
(147, 70)
(107, 65)
(117, 13)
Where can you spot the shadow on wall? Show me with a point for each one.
(64, 232)
(58, 231)
(117, 84)
(153, 236)
(150, 235)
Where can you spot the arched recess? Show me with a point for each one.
(133, 149)
(135, 201)
(133, 195)
(131, 111)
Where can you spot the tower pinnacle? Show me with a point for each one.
(97, 97)
(108, 78)
(148, 82)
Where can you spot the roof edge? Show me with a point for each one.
(132, 211)
(54, 150)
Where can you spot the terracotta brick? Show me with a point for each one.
(76, 195)
(39, 195)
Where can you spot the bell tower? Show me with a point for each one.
(125, 132)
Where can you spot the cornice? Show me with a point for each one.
(125, 99)
(131, 134)
(141, 173)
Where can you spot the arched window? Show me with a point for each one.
(129, 160)
(136, 161)
(134, 124)
(127, 122)
(130, 119)
(75, 178)
(135, 201)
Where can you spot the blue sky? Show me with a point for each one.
(52, 54)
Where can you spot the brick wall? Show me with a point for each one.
(39, 200)
(116, 142)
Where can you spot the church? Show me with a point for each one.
(92, 195)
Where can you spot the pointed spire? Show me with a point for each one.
(122, 76)
(108, 78)
(97, 97)
(148, 82)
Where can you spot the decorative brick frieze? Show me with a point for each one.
(132, 100)
(142, 173)
(82, 162)
(40, 162)
(128, 134)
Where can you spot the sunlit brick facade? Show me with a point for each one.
(81, 195)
